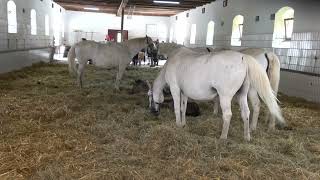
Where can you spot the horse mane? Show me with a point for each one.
(170, 45)
(168, 48)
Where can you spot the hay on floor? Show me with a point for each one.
(50, 129)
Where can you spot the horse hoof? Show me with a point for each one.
(247, 138)
(180, 125)
(223, 138)
(252, 129)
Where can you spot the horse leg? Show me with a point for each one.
(272, 121)
(225, 103)
(80, 74)
(255, 102)
(175, 92)
(119, 76)
(245, 113)
(216, 105)
(184, 103)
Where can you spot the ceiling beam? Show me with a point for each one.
(121, 7)
(142, 7)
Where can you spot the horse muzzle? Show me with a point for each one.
(154, 111)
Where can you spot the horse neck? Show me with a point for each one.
(168, 48)
(135, 46)
(159, 82)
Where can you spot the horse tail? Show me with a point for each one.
(273, 71)
(71, 60)
(259, 80)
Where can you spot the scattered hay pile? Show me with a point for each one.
(49, 129)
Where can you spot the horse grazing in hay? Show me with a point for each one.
(105, 55)
(271, 64)
(205, 76)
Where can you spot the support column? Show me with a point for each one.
(122, 21)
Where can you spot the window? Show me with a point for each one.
(62, 27)
(283, 28)
(171, 35)
(119, 37)
(237, 30)
(180, 31)
(33, 22)
(193, 34)
(210, 33)
(152, 30)
(12, 17)
(288, 26)
(47, 26)
(162, 32)
(240, 29)
(58, 27)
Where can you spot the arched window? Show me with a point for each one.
(33, 17)
(283, 27)
(171, 35)
(193, 34)
(57, 28)
(62, 27)
(210, 33)
(47, 26)
(180, 31)
(12, 17)
(237, 29)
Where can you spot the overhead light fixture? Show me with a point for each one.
(166, 2)
(91, 8)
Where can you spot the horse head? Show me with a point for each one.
(155, 99)
(153, 51)
(148, 40)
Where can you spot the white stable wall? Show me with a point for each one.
(23, 38)
(306, 18)
(99, 23)
(23, 49)
(303, 54)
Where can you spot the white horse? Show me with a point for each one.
(203, 77)
(105, 55)
(268, 60)
(271, 64)
(167, 49)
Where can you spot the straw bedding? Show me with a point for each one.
(50, 129)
